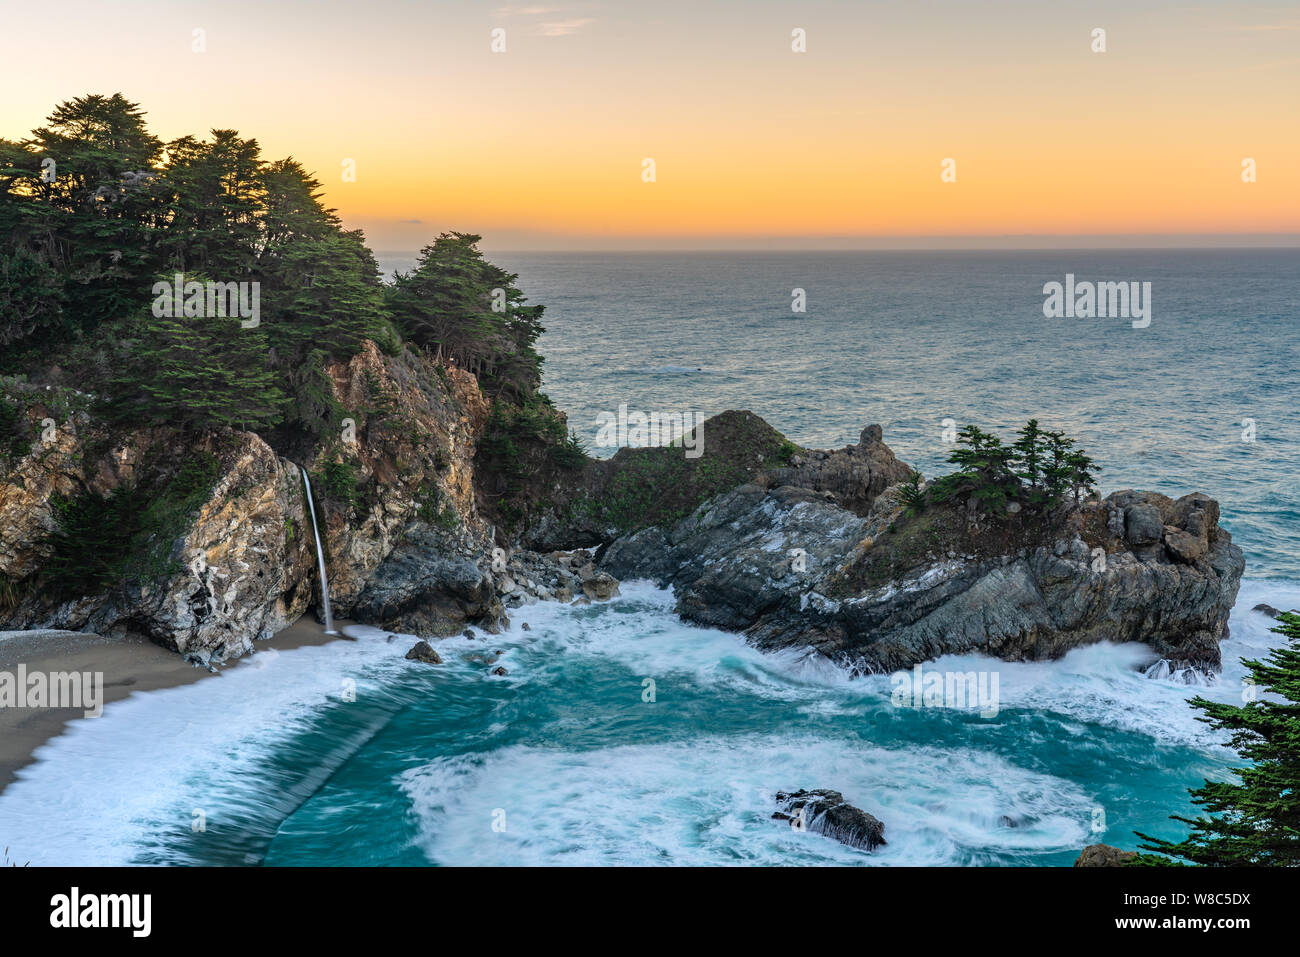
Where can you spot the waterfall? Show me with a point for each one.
(320, 557)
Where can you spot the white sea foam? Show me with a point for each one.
(710, 801)
(109, 787)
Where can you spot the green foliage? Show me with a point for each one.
(571, 454)
(81, 248)
(196, 373)
(461, 307)
(338, 481)
(432, 508)
(1039, 469)
(15, 437)
(786, 451)
(12, 591)
(101, 541)
(911, 495)
(512, 429)
(1254, 820)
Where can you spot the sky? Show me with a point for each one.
(544, 145)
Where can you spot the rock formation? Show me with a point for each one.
(792, 547)
(826, 812)
(1103, 855)
(878, 589)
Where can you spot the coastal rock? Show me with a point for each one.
(237, 570)
(1142, 525)
(883, 592)
(1103, 855)
(423, 651)
(853, 477)
(639, 488)
(827, 813)
(743, 555)
(600, 587)
(1273, 612)
(424, 588)
(403, 546)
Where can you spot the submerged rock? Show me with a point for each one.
(827, 813)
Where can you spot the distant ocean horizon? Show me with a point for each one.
(1203, 399)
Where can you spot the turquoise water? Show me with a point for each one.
(348, 754)
(569, 759)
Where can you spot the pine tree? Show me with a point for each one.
(1080, 471)
(1029, 446)
(983, 469)
(461, 307)
(1255, 820)
(1058, 472)
(197, 373)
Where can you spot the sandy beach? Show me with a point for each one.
(128, 665)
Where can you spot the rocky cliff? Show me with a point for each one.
(404, 541)
(878, 588)
(792, 547)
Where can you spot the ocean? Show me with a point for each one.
(348, 754)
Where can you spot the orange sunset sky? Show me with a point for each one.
(541, 146)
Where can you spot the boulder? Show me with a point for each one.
(1103, 855)
(1184, 546)
(423, 651)
(1142, 524)
(600, 587)
(827, 813)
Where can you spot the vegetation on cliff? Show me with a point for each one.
(198, 287)
(1039, 469)
(1014, 492)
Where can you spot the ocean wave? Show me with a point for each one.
(710, 801)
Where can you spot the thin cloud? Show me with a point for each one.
(564, 28)
(526, 11)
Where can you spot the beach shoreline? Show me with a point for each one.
(131, 664)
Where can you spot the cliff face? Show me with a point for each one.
(790, 546)
(403, 539)
(235, 571)
(878, 589)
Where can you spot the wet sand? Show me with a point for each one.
(128, 664)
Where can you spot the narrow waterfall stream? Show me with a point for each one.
(320, 557)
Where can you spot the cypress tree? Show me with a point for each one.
(1256, 819)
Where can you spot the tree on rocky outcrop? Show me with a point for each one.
(463, 308)
(1029, 448)
(984, 470)
(1039, 469)
(1254, 820)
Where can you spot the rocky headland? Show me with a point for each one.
(433, 528)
